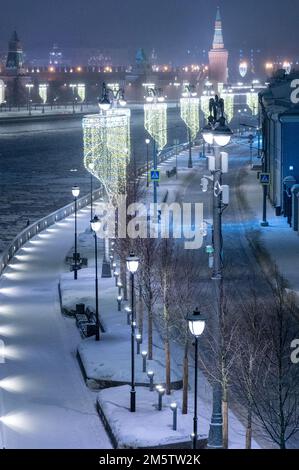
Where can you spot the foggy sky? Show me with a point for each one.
(164, 24)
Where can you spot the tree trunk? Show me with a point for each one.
(150, 333)
(140, 311)
(225, 417)
(167, 366)
(123, 276)
(185, 380)
(249, 429)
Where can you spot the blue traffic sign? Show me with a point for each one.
(265, 178)
(155, 175)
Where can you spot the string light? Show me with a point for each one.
(107, 148)
(228, 105)
(252, 100)
(155, 122)
(190, 114)
(81, 90)
(204, 104)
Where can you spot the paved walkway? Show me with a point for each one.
(44, 401)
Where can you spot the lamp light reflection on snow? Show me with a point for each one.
(17, 421)
(14, 384)
(8, 330)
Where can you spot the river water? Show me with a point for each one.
(37, 163)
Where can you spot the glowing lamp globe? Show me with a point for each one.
(75, 191)
(95, 224)
(222, 133)
(196, 323)
(207, 134)
(104, 104)
(132, 263)
(122, 102)
(147, 141)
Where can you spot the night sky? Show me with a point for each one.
(167, 25)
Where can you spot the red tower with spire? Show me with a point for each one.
(218, 55)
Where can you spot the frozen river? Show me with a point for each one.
(37, 162)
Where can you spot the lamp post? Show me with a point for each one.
(132, 266)
(29, 87)
(217, 133)
(76, 193)
(95, 227)
(174, 409)
(144, 358)
(73, 87)
(150, 375)
(196, 323)
(147, 141)
(91, 167)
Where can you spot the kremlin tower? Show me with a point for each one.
(218, 55)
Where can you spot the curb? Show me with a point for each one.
(95, 384)
(201, 443)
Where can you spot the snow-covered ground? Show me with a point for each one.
(148, 427)
(44, 402)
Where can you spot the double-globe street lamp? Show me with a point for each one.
(95, 224)
(197, 323)
(76, 193)
(218, 134)
(132, 266)
(109, 99)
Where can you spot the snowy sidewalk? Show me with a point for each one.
(279, 240)
(44, 402)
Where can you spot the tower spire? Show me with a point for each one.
(218, 36)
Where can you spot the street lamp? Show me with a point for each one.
(147, 141)
(29, 87)
(196, 323)
(150, 375)
(73, 87)
(144, 357)
(117, 97)
(91, 167)
(218, 133)
(76, 193)
(95, 227)
(132, 266)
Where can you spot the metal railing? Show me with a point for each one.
(42, 224)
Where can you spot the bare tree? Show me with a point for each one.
(276, 394)
(250, 349)
(147, 275)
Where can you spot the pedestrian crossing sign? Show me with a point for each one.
(155, 175)
(265, 179)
